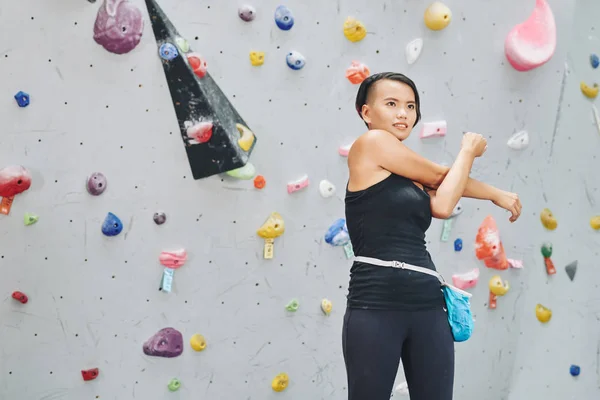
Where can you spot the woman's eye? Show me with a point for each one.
(411, 106)
(391, 103)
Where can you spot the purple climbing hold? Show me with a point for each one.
(247, 13)
(168, 342)
(160, 218)
(119, 25)
(96, 184)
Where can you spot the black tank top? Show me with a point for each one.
(388, 221)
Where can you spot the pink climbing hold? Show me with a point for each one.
(173, 259)
(119, 25)
(532, 43)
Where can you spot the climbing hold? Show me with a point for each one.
(337, 233)
(574, 370)
(292, 305)
(542, 313)
(272, 228)
(357, 72)
(246, 172)
(196, 97)
(532, 43)
(594, 60)
(515, 263)
(589, 91)
(433, 129)
(548, 219)
(345, 149)
(326, 188)
(280, 382)
(20, 296)
(30, 219)
(159, 218)
(257, 58)
(174, 385)
(547, 249)
(22, 99)
(173, 259)
(326, 306)
(488, 246)
(166, 282)
(354, 30)
(446, 229)
(413, 50)
(300, 183)
(168, 52)
(466, 280)
(295, 60)
(200, 132)
(112, 225)
(119, 25)
(198, 64)
(595, 222)
(14, 180)
(183, 44)
(259, 182)
(96, 184)
(246, 139)
(497, 288)
(90, 374)
(457, 210)
(284, 18)
(167, 342)
(198, 342)
(247, 13)
(571, 269)
(519, 140)
(437, 16)
(458, 244)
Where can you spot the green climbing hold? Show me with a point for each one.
(246, 172)
(183, 44)
(292, 305)
(547, 249)
(174, 385)
(30, 219)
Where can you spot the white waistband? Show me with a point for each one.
(403, 265)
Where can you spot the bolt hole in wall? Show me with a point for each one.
(241, 223)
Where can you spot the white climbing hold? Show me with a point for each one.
(402, 389)
(433, 129)
(326, 188)
(518, 141)
(458, 208)
(413, 50)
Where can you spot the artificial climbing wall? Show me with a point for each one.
(95, 299)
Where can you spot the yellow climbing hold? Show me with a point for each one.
(280, 382)
(498, 287)
(548, 219)
(354, 30)
(595, 222)
(272, 228)
(326, 306)
(589, 91)
(437, 16)
(247, 137)
(198, 342)
(542, 313)
(257, 58)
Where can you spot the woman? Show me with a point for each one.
(394, 314)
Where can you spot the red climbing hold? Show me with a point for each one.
(22, 297)
(488, 246)
(90, 374)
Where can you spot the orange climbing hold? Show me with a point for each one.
(259, 182)
(357, 72)
(488, 246)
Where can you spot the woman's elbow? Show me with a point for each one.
(441, 211)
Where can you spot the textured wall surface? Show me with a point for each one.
(94, 300)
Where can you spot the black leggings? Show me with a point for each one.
(374, 341)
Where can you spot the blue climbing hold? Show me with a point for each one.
(574, 370)
(168, 52)
(112, 225)
(337, 234)
(458, 244)
(295, 60)
(22, 99)
(594, 60)
(284, 18)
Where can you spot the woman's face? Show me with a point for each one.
(391, 106)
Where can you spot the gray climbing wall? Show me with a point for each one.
(94, 300)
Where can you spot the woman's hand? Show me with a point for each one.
(510, 202)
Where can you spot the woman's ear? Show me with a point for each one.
(365, 113)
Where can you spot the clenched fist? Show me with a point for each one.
(474, 143)
(510, 202)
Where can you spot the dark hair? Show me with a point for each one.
(367, 84)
